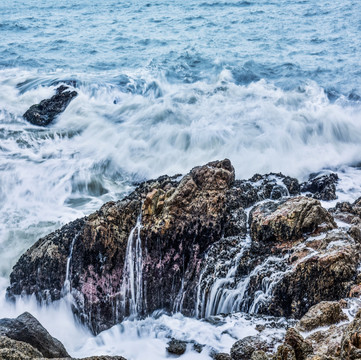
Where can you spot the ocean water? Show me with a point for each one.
(164, 86)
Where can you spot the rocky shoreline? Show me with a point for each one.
(207, 244)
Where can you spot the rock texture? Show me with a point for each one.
(243, 349)
(203, 244)
(43, 114)
(14, 350)
(177, 347)
(325, 270)
(295, 347)
(322, 314)
(321, 187)
(289, 220)
(25, 328)
(351, 340)
(179, 220)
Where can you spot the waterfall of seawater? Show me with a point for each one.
(221, 290)
(67, 284)
(227, 294)
(132, 285)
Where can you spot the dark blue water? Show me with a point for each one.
(286, 42)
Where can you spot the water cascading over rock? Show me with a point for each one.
(202, 245)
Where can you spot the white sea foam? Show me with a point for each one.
(109, 137)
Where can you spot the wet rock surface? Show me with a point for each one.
(322, 314)
(243, 349)
(206, 244)
(177, 347)
(13, 350)
(351, 340)
(43, 114)
(321, 187)
(25, 328)
(325, 274)
(289, 220)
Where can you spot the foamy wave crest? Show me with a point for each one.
(136, 126)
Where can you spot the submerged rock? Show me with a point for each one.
(25, 328)
(43, 114)
(177, 347)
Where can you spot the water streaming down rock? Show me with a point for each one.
(67, 284)
(132, 286)
(224, 290)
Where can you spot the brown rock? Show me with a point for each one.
(327, 343)
(285, 352)
(326, 276)
(351, 340)
(301, 347)
(13, 350)
(289, 220)
(244, 348)
(324, 313)
(179, 220)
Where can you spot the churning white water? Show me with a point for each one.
(108, 138)
(164, 86)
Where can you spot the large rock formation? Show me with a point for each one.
(177, 221)
(188, 245)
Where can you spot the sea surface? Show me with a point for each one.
(165, 86)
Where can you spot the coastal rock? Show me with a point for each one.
(324, 275)
(183, 245)
(177, 221)
(25, 328)
(259, 355)
(322, 314)
(289, 220)
(285, 352)
(14, 350)
(301, 348)
(262, 187)
(348, 213)
(244, 348)
(351, 340)
(43, 114)
(177, 347)
(321, 187)
(222, 356)
(327, 343)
